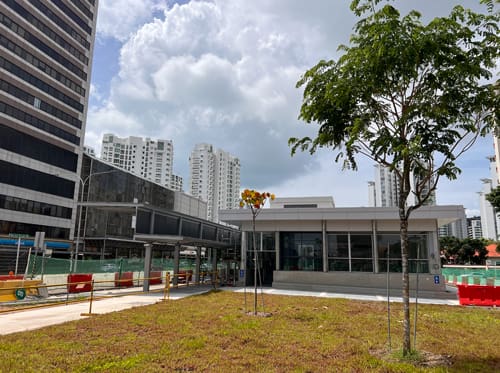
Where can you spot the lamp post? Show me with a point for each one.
(83, 182)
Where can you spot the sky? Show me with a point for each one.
(224, 73)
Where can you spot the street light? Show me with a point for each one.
(83, 182)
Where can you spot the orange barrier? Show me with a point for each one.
(11, 277)
(155, 278)
(80, 283)
(126, 280)
(478, 295)
(185, 276)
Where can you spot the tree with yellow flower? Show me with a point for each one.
(254, 201)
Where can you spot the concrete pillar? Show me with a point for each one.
(197, 265)
(214, 266)
(152, 223)
(177, 249)
(433, 253)
(179, 231)
(376, 268)
(147, 266)
(325, 246)
(277, 249)
(243, 250)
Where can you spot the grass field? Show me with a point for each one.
(212, 333)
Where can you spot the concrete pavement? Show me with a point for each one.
(117, 300)
(375, 298)
(31, 319)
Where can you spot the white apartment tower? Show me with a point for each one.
(489, 220)
(474, 229)
(215, 178)
(384, 192)
(150, 159)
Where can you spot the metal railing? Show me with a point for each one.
(26, 294)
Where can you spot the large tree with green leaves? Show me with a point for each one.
(493, 197)
(408, 95)
(463, 251)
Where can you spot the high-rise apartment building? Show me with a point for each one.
(215, 178)
(153, 160)
(489, 219)
(384, 191)
(474, 229)
(45, 64)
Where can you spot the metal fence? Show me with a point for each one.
(52, 266)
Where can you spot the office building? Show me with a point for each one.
(215, 178)
(45, 64)
(150, 159)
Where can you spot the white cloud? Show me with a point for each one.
(120, 18)
(95, 93)
(224, 72)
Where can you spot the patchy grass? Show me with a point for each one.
(212, 333)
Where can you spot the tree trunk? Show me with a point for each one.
(406, 283)
(254, 267)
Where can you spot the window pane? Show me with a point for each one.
(268, 241)
(361, 265)
(301, 251)
(391, 242)
(338, 265)
(361, 246)
(338, 245)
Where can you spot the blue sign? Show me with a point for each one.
(55, 245)
(242, 273)
(436, 279)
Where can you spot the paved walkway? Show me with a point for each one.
(377, 298)
(31, 319)
(35, 318)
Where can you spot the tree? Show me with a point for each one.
(493, 197)
(408, 95)
(464, 251)
(472, 251)
(254, 201)
(448, 247)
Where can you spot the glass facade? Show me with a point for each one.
(346, 251)
(34, 207)
(301, 251)
(32, 147)
(338, 252)
(45, 57)
(107, 184)
(266, 258)
(389, 253)
(7, 227)
(266, 238)
(35, 180)
(350, 252)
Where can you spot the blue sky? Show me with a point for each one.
(224, 72)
